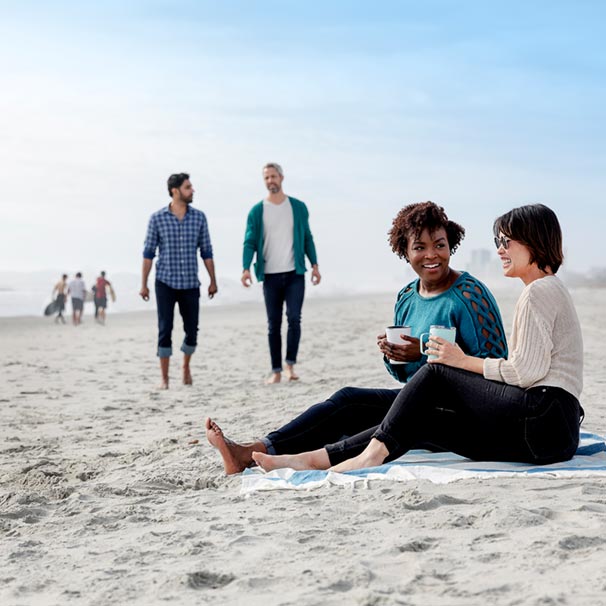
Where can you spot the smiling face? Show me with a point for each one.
(429, 256)
(515, 259)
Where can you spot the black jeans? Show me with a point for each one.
(481, 420)
(347, 412)
(189, 308)
(287, 287)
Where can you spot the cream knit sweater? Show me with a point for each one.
(546, 346)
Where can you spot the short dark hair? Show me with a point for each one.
(536, 227)
(414, 218)
(79, 275)
(103, 274)
(176, 181)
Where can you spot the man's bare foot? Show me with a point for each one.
(163, 385)
(187, 380)
(290, 373)
(236, 457)
(314, 459)
(275, 378)
(372, 456)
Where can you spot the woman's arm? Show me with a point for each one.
(530, 359)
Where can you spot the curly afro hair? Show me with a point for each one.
(414, 218)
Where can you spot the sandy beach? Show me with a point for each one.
(107, 498)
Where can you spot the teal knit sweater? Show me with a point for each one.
(467, 305)
(303, 242)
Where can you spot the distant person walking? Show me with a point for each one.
(59, 295)
(278, 233)
(177, 231)
(77, 291)
(101, 288)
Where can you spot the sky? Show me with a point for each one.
(479, 106)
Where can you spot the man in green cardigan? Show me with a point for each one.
(277, 232)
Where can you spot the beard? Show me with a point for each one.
(273, 189)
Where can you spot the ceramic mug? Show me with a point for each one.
(448, 333)
(393, 336)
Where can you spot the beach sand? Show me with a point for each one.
(104, 499)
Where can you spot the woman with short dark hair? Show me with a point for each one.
(524, 408)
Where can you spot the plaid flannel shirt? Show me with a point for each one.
(177, 243)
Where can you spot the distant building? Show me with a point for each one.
(484, 265)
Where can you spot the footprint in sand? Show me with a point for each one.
(208, 580)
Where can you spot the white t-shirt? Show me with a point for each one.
(77, 288)
(278, 226)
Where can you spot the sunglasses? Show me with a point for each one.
(502, 241)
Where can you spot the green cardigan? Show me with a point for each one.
(303, 242)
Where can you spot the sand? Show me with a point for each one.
(104, 499)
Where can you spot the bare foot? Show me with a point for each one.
(187, 380)
(163, 385)
(236, 457)
(275, 378)
(290, 373)
(314, 459)
(372, 456)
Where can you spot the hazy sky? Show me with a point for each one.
(480, 106)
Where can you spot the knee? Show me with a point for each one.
(344, 394)
(293, 319)
(274, 324)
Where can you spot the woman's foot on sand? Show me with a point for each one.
(372, 456)
(315, 459)
(236, 457)
(187, 380)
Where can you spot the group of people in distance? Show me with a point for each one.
(478, 397)
(76, 289)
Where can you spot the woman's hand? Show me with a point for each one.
(400, 352)
(446, 353)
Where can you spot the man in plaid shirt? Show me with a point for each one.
(177, 231)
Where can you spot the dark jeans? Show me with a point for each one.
(346, 413)
(484, 420)
(289, 288)
(189, 308)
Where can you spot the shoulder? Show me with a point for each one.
(298, 204)
(197, 214)
(256, 210)
(158, 216)
(408, 291)
(545, 293)
(468, 288)
(548, 285)
(160, 212)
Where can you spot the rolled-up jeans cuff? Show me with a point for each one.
(392, 445)
(165, 352)
(188, 350)
(279, 369)
(269, 447)
(290, 362)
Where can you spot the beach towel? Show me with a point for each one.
(437, 467)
